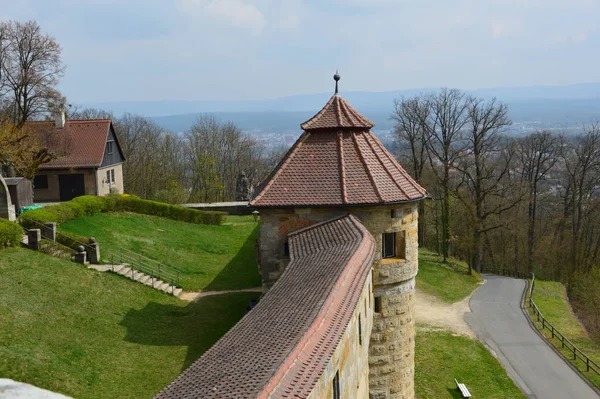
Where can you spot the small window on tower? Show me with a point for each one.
(388, 248)
(109, 147)
(286, 249)
(359, 331)
(377, 304)
(336, 385)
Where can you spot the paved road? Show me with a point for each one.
(497, 319)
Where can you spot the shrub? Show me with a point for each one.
(71, 240)
(10, 233)
(30, 219)
(136, 205)
(89, 205)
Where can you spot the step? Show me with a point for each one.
(143, 278)
(150, 282)
(118, 268)
(125, 271)
(137, 275)
(164, 287)
(177, 292)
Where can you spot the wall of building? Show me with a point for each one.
(52, 193)
(104, 185)
(391, 352)
(351, 357)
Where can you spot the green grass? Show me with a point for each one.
(449, 282)
(551, 298)
(440, 357)
(97, 335)
(210, 257)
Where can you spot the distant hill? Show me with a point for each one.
(556, 106)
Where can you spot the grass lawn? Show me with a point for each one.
(551, 299)
(97, 335)
(449, 282)
(210, 257)
(441, 357)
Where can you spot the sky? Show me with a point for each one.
(136, 50)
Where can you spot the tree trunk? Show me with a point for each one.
(421, 224)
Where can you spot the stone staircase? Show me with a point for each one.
(126, 271)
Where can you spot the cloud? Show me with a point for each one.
(507, 28)
(289, 22)
(580, 37)
(237, 13)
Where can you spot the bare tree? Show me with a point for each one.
(485, 188)
(215, 154)
(25, 149)
(582, 172)
(31, 68)
(444, 127)
(537, 154)
(411, 135)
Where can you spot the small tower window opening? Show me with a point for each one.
(377, 304)
(336, 385)
(286, 249)
(359, 331)
(393, 245)
(388, 249)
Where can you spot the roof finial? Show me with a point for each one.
(336, 77)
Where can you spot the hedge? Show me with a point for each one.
(90, 205)
(10, 233)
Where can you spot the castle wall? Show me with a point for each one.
(351, 356)
(391, 350)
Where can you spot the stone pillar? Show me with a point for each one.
(49, 231)
(80, 255)
(93, 251)
(392, 346)
(34, 236)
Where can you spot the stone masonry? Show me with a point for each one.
(391, 350)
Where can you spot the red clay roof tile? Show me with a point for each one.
(337, 161)
(284, 344)
(337, 113)
(88, 142)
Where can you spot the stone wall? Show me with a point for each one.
(351, 356)
(391, 352)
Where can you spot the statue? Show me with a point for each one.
(242, 190)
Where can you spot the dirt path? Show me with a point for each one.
(192, 296)
(436, 313)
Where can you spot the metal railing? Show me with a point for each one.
(565, 343)
(143, 264)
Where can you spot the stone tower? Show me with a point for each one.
(338, 166)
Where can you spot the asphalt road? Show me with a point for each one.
(497, 318)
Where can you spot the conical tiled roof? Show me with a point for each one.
(337, 161)
(337, 113)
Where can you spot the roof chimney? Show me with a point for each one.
(59, 118)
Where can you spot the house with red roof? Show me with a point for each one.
(91, 161)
